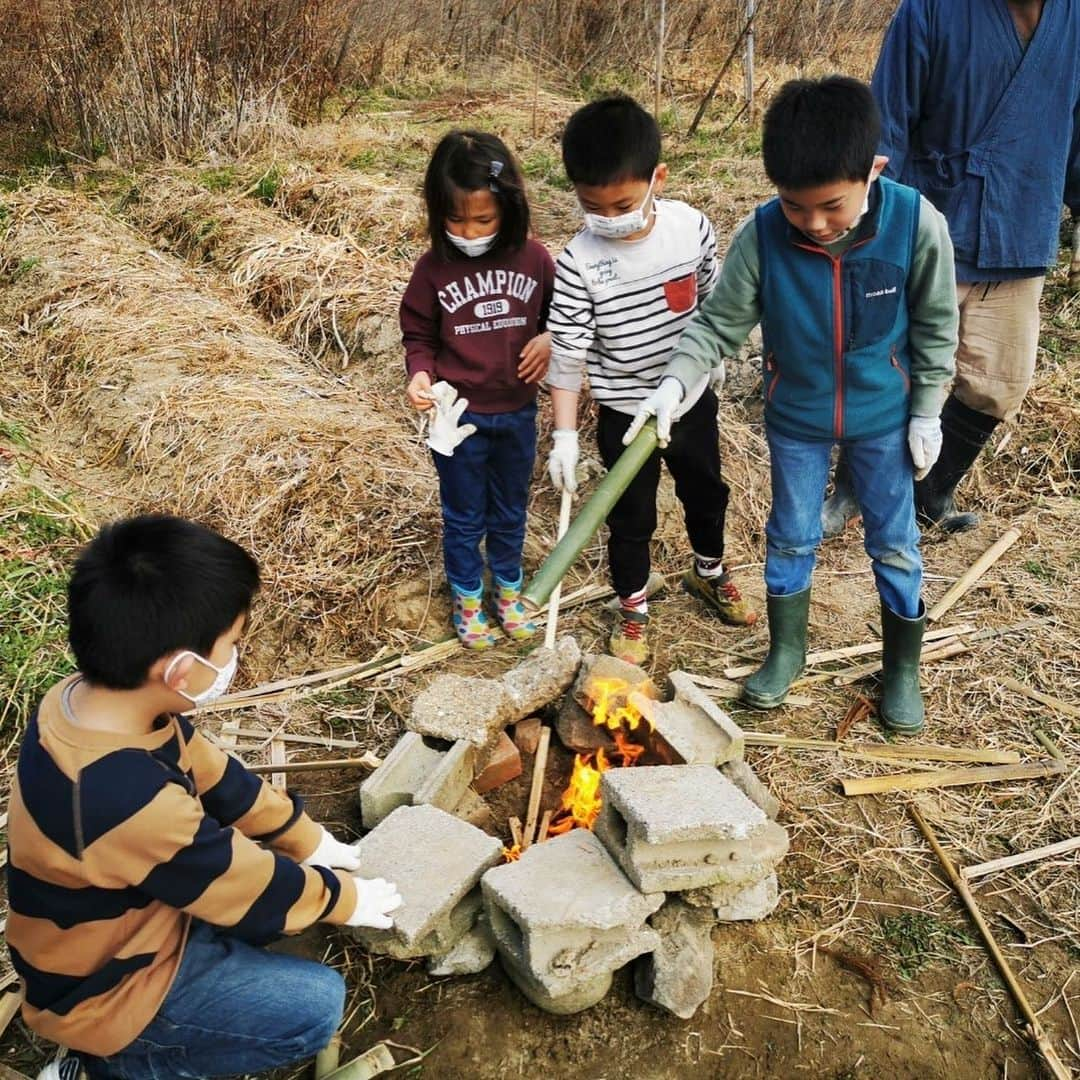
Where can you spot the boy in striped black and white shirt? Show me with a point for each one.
(625, 287)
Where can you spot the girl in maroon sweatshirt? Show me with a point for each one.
(473, 316)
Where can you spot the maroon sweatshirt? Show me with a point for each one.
(466, 321)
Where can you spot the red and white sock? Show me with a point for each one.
(708, 568)
(635, 602)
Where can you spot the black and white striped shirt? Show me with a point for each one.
(620, 305)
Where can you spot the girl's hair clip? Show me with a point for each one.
(494, 171)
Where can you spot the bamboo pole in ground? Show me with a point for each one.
(1036, 1032)
(973, 573)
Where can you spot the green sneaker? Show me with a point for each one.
(629, 639)
(722, 595)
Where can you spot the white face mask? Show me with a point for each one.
(221, 681)
(617, 228)
(478, 245)
(865, 209)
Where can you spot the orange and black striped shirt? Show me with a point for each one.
(116, 841)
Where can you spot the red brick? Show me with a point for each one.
(502, 765)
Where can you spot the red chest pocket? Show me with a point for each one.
(681, 294)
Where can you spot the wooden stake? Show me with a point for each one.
(939, 778)
(537, 790)
(926, 751)
(556, 593)
(515, 832)
(1035, 1029)
(973, 573)
(1063, 847)
(545, 824)
(11, 1001)
(1037, 695)
(277, 757)
(368, 761)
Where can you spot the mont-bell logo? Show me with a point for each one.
(881, 292)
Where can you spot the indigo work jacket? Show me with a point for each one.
(986, 128)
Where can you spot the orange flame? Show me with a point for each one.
(610, 705)
(511, 854)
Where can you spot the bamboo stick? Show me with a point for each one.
(367, 761)
(1062, 847)
(934, 650)
(515, 831)
(591, 516)
(277, 757)
(1039, 696)
(827, 656)
(926, 751)
(376, 1061)
(308, 740)
(989, 774)
(1036, 1032)
(1051, 747)
(537, 790)
(973, 573)
(328, 1058)
(11, 1001)
(545, 824)
(556, 594)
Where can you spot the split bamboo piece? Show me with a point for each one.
(973, 573)
(1038, 695)
(367, 761)
(553, 604)
(376, 1061)
(328, 1058)
(11, 1001)
(277, 757)
(939, 778)
(827, 656)
(545, 824)
(537, 789)
(1007, 862)
(926, 751)
(515, 831)
(308, 740)
(1035, 1030)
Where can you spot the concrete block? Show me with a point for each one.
(435, 860)
(544, 675)
(471, 955)
(732, 904)
(473, 809)
(564, 913)
(747, 781)
(446, 784)
(457, 707)
(583, 995)
(692, 724)
(501, 765)
(678, 975)
(527, 734)
(397, 779)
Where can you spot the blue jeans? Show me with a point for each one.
(484, 490)
(233, 1008)
(881, 474)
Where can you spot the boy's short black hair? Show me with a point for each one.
(150, 585)
(818, 131)
(466, 161)
(610, 140)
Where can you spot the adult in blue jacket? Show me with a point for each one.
(980, 102)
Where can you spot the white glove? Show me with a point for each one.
(924, 441)
(1074, 268)
(331, 852)
(661, 403)
(563, 459)
(717, 376)
(444, 434)
(375, 899)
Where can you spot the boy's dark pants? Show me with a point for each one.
(693, 458)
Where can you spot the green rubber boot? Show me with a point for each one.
(901, 707)
(768, 686)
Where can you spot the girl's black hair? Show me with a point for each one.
(466, 161)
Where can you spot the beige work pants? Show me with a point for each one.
(999, 334)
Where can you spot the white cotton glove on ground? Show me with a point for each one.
(444, 435)
(924, 441)
(333, 853)
(661, 403)
(375, 899)
(563, 459)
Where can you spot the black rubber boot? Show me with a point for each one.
(788, 615)
(964, 433)
(901, 708)
(841, 507)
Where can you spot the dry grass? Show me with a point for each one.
(142, 372)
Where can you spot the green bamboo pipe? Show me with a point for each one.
(590, 517)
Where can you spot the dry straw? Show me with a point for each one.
(155, 382)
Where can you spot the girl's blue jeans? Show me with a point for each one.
(233, 1009)
(484, 490)
(881, 474)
